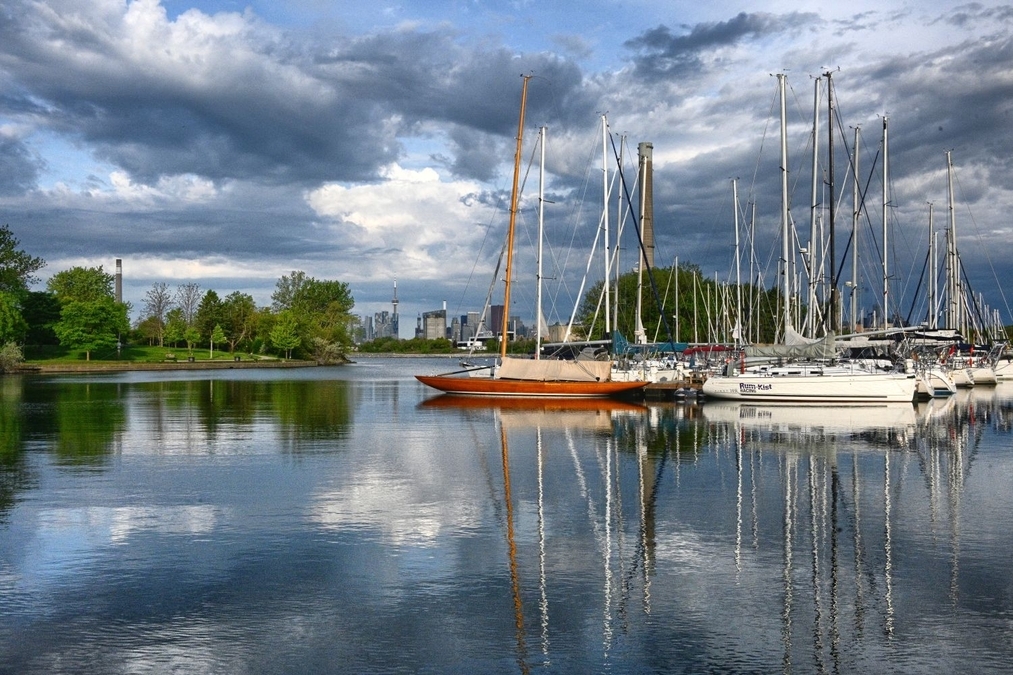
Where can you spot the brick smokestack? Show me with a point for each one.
(119, 280)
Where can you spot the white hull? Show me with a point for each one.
(813, 386)
(1004, 370)
(934, 382)
(984, 376)
(962, 377)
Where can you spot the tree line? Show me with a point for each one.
(307, 318)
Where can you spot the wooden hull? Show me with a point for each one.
(487, 386)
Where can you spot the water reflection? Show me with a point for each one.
(84, 423)
(355, 525)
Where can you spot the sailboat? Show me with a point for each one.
(521, 377)
(805, 370)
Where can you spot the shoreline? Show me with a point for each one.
(35, 368)
(124, 366)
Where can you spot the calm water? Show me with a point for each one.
(346, 520)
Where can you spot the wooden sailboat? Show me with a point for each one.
(530, 377)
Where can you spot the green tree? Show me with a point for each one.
(41, 311)
(321, 308)
(12, 324)
(81, 284)
(175, 326)
(17, 268)
(192, 337)
(217, 336)
(324, 307)
(286, 289)
(92, 324)
(239, 314)
(209, 313)
(285, 334)
(10, 358)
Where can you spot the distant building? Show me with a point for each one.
(433, 324)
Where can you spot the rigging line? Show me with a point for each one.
(995, 276)
(751, 194)
(918, 288)
(640, 240)
(970, 292)
(488, 229)
(575, 219)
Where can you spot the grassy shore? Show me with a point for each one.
(133, 357)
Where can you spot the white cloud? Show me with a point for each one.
(431, 222)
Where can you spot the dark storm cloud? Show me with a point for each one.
(277, 112)
(664, 55)
(19, 168)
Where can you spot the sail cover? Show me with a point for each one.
(821, 349)
(546, 370)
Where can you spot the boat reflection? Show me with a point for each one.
(841, 505)
(590, 433)
(543, 413)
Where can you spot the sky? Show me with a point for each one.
(230, 143)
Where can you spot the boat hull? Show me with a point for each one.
(869, 388)
(488, 386)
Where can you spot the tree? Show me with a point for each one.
(17, 268)
(175, 326)
(320, 307)
(12, 324)
(81, 284)
(325, 306)
(92, 324)
(157, 303)
(239, 314)
(209, 313)
(187, 300)
(217, 335)
(41, 311)
(192, 337)
(285, 335)
(286, 290)
(10, 357)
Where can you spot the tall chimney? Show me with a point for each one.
(646, 152)
(119, 280)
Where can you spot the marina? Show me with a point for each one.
(230, 521)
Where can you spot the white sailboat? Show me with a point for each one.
(805, 371)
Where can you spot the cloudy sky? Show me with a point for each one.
(231, 142)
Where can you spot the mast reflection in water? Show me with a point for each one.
(343, 520)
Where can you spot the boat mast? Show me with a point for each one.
(953, 318)
(933, 271)
(605, 221)
(857, 206)
(513, 219)
(738, 266)
(810, 327)
(541, 226)
(886, 203)
(785, 239)
(834, 297)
